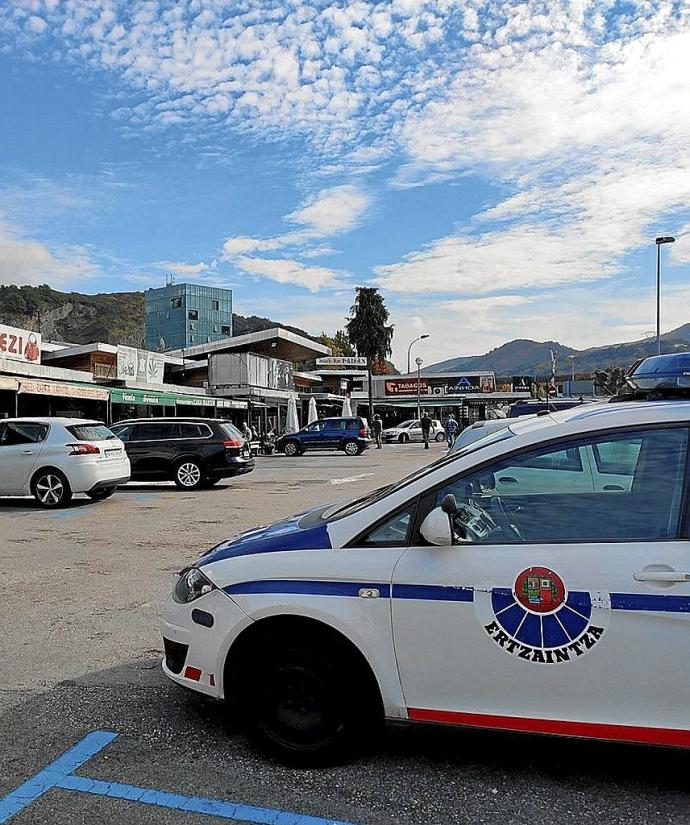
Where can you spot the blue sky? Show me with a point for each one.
(498, 170)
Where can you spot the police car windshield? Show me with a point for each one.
(347, 509)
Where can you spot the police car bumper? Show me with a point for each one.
(196, 639)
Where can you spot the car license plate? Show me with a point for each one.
(112, 453)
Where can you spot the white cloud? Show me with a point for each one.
(24, 261)
(330, 212)
(283, 271)
(333, 210)
(185, 269)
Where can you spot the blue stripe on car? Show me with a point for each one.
(308, 588)
(431, 592)
(276, 538)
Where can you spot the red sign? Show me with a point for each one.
(20, 344)
(406, 386)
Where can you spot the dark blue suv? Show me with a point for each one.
(351, 435)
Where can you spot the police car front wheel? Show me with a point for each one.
(300, 708)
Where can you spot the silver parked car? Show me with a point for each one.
(412, 431)
(53, 458)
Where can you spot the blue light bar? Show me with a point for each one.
(662, 372)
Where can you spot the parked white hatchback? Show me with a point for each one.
(53, 458)
(412, 431)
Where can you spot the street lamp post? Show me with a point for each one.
(418, 362)
(659, 241)
(572, 367)
(421, 337)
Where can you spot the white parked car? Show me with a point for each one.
(479, 591)
(53, 458)
(412, 431)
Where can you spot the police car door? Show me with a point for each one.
(555, 610)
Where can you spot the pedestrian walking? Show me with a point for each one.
(246, 432)
(451, 428)
(378, 431)
(426, 429)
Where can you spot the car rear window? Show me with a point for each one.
(90, 432)
(231, 431)
(193, 430)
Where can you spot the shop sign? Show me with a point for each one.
(139, 365)
(121, 396)
(342, 361)
(521, 383)
(64, 390)
(464, 385)
(8, 383)
(229, 404)
(406, 386)
(20, 344)
(194, 401)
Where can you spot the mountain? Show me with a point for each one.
(110, 317)
(526, 357)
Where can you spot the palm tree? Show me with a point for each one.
(367, 330)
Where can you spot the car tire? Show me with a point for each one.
(404, 438)
(189, 474)
(51, 489)
(440, 437)
(291, 448)
(102, 494)
(301, 708)
(351, 448)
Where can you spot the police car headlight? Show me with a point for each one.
(192, 585)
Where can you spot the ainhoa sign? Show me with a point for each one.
(20, 344)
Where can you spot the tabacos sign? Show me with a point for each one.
(20, 344)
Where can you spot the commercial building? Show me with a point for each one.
(178, 316)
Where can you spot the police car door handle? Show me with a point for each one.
(507, 480)
(27, 452)
(661, 576)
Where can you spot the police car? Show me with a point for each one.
(478, 592)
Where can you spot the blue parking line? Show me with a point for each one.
(60, 774)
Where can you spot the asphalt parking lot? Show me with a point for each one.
(80, 593)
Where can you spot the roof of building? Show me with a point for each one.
(276, 343)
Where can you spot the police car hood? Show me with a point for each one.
(304, 531)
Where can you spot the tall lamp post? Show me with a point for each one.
(659, 241)
(421, 337)
(418, 362)
(572, 371)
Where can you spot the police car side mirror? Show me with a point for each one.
(436, 527)
(449, 505)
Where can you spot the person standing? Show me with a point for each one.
(426, 429)
(451, 428)
(378, 431)
(246, 432)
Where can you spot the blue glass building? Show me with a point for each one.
(184, 315)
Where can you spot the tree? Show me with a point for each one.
(367, 330)
(611, 381)
(339, 343)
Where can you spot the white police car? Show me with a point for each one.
(478, 591)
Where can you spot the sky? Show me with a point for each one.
(497, 169)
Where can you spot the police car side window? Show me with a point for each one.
(632, 493)
(391, 533)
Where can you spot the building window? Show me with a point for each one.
(193, 314)
(176, 303)
(215, 305)
(225, 330)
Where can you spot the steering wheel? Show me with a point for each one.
(503, 518)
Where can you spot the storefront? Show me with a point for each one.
(52, 398)
(138, 403)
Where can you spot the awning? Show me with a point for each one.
(8, 383)
(64, 390)
(126, 396)
(119, 395)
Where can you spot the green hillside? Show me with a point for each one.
(111, 317)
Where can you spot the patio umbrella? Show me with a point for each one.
(313, 414)
(347, 409)
(292, 424)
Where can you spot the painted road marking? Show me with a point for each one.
(60, 774)
(350, 479)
